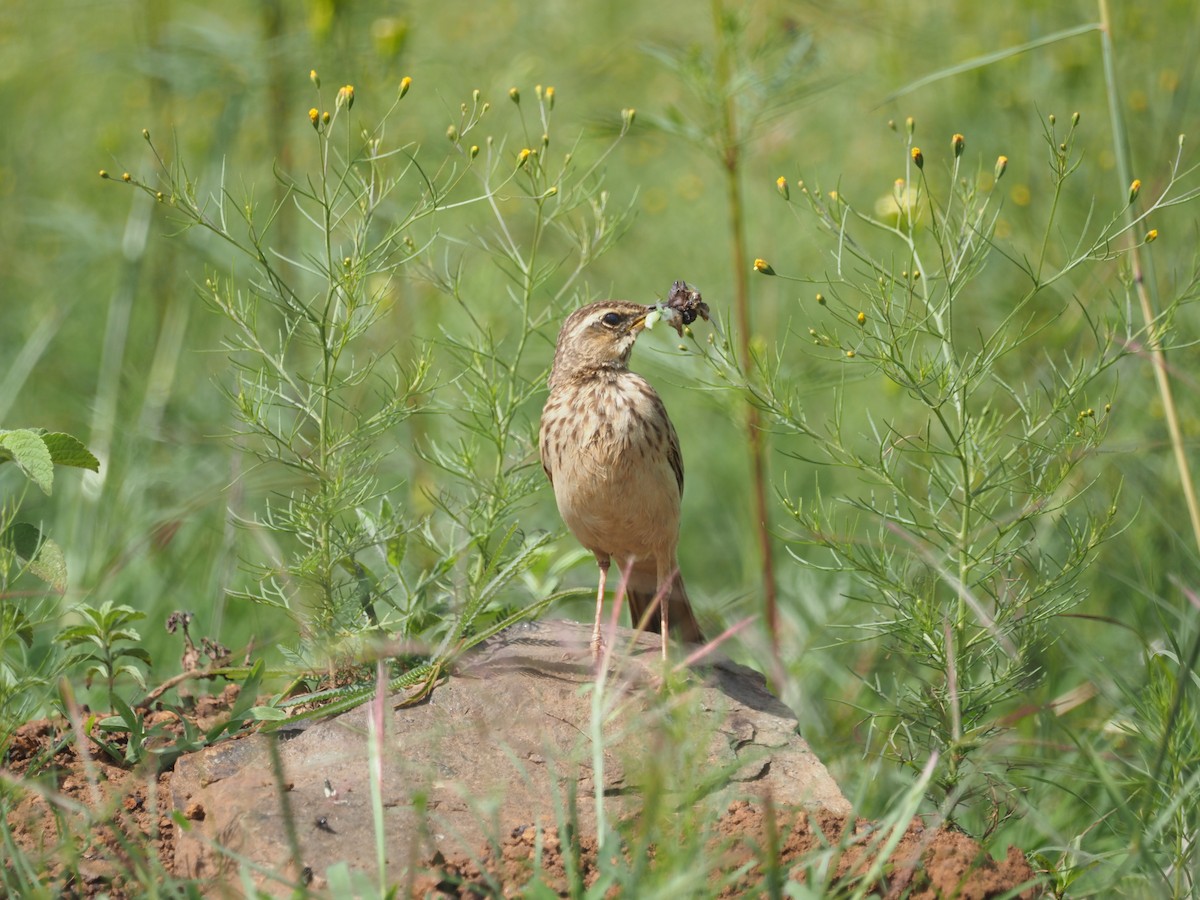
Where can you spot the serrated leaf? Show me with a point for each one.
(50, 565)
(28, 450)
(43, 558)
(67, 450)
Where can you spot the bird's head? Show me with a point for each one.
(598, 337)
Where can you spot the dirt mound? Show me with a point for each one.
(927, 864)
(501, 736)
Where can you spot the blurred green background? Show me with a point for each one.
(101, 334)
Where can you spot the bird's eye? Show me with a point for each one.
(611, 318)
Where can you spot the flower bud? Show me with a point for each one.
(314, 116)
(126, 177)
(405, 84)
(861, 318)
(1001, 165)
(325, 117)
(1134, 188)
(550, 98)
(782, 186)
(761, 265)
(146, 133)
(910, 125)
(345, 96)
(627, 116)
(821, 299)
(1151, 235)
(474, 150)
(514, 95)
(958, 142)
(314, 77)
(1075, 119)
(523, 157)
(918, 157)
(452, 134)
(104, 173)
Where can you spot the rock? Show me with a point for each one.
(505, 741)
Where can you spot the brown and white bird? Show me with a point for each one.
(613, 458)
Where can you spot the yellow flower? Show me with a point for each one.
(313, 116)
(1134, 188)
(514, 95)
(918, 157)
(761, 265)
(850, 354)
(346, 96)
(1151, 235)
(1001, 165)
(314, 77)
(862, 318)
(474, 150)
(523, 156)
(782, 186)
(127, 177)
(405, 84)
(550, 97)
(958, 142)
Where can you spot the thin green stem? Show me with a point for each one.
(1158, 356)
(730, 147)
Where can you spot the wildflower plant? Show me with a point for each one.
(546, 217)
(311, 397)
(317, 401)
(970, 511)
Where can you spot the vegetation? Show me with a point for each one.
(947, 403)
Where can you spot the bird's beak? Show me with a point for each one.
(639, 323)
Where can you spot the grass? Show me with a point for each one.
(1087, 740)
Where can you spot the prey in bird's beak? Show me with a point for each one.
(683, 306)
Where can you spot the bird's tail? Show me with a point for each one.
(640, 591)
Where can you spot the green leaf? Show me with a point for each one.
(266, 714)
(68, 450)
(24, 539)
(50, 565)
(28, 450)
(43, 557)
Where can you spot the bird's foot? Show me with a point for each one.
(597, 647)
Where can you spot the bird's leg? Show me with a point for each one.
(597, 642)
(664, 590)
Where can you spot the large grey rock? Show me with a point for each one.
(501, 743)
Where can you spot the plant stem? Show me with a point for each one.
(1158, 356)
(731, 162)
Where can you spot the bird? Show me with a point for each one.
(613, 459)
